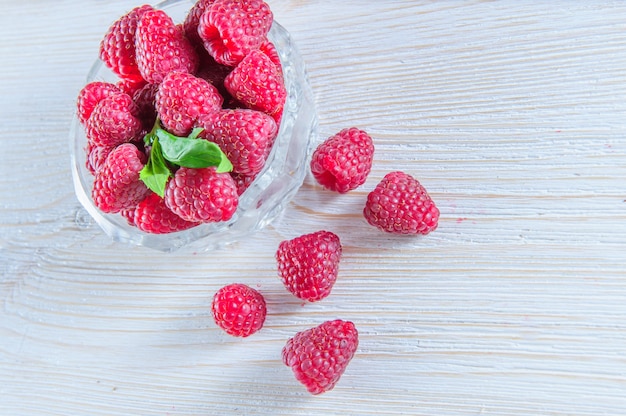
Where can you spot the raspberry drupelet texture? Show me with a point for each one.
(161, 47)
(202, 195)
(230, 29)
(91, 95)
(257, 83)
(239, 310)
(153, 216)
(113, 121)
(401, 205)
(319, 356)
(342, 162)
(308, 264)
(117, 48)
(117, 185)
(245, 136)
(182, 98)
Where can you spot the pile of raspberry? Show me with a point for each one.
(187, 128)
(192, 119)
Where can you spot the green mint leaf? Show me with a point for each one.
(156, 173)
(191, 152)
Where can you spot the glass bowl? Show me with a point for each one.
(265, 198)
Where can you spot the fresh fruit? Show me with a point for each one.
(257, 83)
(91, 95)
(153, 216)
(96, 155)
(117, 48)
(192, 20)
(182, 98)
(113, 121)
(145, 99)
(161, 47)
(342, 162)
(242, 182)
(245, 136)
(239, 310)
(202, 195)
(319, 356)
(231, 29)
(117, 185)
(401, 205)
(308, 264)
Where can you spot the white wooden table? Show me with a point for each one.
(512, 114)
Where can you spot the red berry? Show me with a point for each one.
(117, 48)
(230, 29)
(239, 310)
(117, 185)
(243, 182)
(319, 356)
(91, 95)
(202, 195)
(192, 20)
(182, 98)
(258, 84)
(153, 216)
(399, 204)
(96, 155)
(269, 49)
(245, 136)
(308, 265)
(161, 47)
(343, 161)
(113, 121)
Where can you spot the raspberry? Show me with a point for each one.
(239, 310)
(202, 195)
(113, 121)
(230, 29)
(258, 84)
(243, 182)
(319, 356)
(214, 73)
(91, 95)
(152, 216)
(308, 265)
(192, 20)
(399, 204)
(269, 49)
(96, 155)
(117, 48)
(182, 98)
(161, 47)
(117, 185)
(245, 136)
(342, 162)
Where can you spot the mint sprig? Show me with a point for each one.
(168, 150)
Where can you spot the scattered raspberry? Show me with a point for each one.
(202, 195)
(399, 204)
(113, 121)
(153, 216)
(182, 98)
(239, 310)
(117, 185)
(245, 136)
(91, 95)
(343, 161)
(231, 29)
(308, 265)
(258, 84)
(319, 356)
(161, 47)
(117, 48)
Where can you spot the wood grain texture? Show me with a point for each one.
(512, 114)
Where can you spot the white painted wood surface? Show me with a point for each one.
(512, 114)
